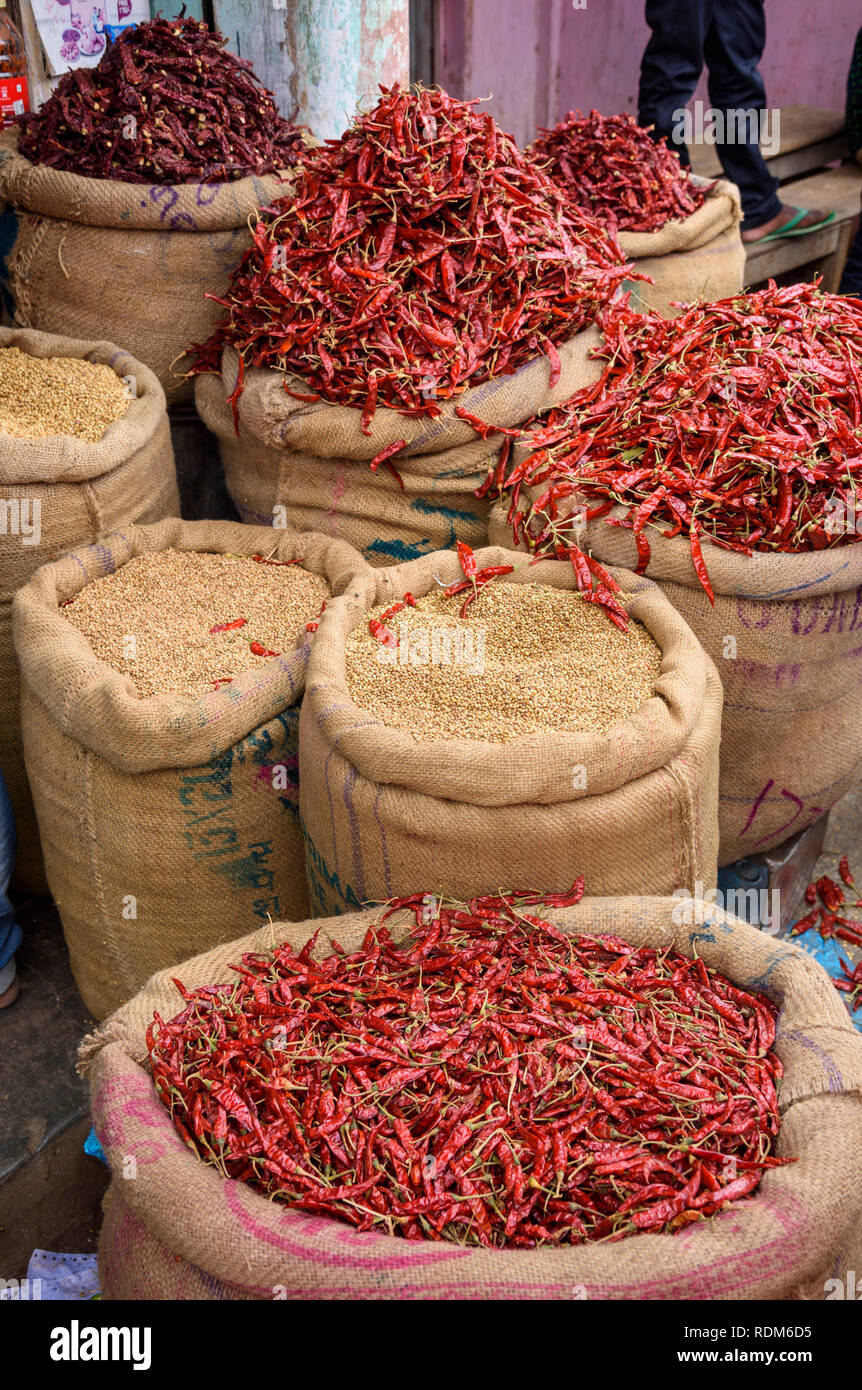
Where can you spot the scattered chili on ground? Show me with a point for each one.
(828, 915)
(612, 167)
(165, 104)
(420, 253)
(479, 1076)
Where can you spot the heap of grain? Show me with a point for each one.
(162, 672)
(85, 449)
(44, 396)
(507, 745)
(528, 658)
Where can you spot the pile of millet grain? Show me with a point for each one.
(43, 396)
(169, 601)
(552, 661)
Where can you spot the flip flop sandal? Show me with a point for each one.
(792, 228)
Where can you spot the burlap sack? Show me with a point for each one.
(385, 815)
(100, 258)
(78, 491)
(700, 257)
(163, 829)
(785, 634)
(312, 459)
(175, 1229)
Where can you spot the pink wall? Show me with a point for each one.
(537, 58)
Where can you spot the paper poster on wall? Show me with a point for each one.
(75, 33)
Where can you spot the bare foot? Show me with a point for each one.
(8, 997)
(781, 219)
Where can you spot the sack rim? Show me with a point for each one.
(648, 740)
(69, 197)
(97, 707)
(22, 460)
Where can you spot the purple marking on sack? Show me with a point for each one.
(761, 673)
(201, 188)
(830, 1067)
(765, 619)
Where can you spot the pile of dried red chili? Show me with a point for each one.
(480, 1076)
(740, 421)
(419, 254)
(165, 104)
(610, 166)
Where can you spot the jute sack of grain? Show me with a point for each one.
(163, 826)
(101, 258)
(182, 1231)
(60, 492)
(313, 460)
(700, 257)
(786, 636)
(386, 815)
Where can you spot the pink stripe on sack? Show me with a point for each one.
(319, 1226)
(339, 488)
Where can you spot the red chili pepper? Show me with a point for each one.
(265, 560)
(258, 649)
(694, 429)
(416, 265)
(479, 1074)
(844, 871)
(228, 627)
(830, 893)
(613, 168)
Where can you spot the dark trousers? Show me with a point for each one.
(851, 279)
(728, 36)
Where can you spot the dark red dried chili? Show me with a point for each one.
(612, 167)
(165, 104)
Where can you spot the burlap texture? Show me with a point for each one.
(699, 257)
(312, 459)
(83, 490)
(385, 814)
(101, 258)
(169, 800)
(786, 636)
(175, 1229)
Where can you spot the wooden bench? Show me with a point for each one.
(811, 138)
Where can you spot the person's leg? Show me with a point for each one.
(671, 64)
(10, 931)
(851, 277)
(733, 47)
